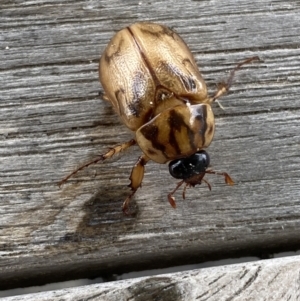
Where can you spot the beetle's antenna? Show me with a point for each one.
(223, 88)
(115, 150)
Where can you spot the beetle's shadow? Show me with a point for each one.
(103, 213)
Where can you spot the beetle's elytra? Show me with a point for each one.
(151, 78)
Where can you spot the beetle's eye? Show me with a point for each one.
(185, 168)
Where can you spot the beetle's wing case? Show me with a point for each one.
(141, 65)
(126, 79)
(171, 60)
(177, 132)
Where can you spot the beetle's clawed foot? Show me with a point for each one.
(171, 200)
(126, 208)
(228, 179)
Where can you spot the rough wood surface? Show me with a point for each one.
(52, 120)
(271, 280)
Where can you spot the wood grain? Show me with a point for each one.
(52, 120)
(271, 280)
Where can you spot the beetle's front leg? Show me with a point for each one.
(136, 178)
(113, 151)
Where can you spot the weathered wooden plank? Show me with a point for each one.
(52, 120)
(275, 279)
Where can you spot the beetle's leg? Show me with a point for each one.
(226, 176)
(195, 180)
(171, 199)
(184, 190)
(207, 183)
(115, 150)
(136, 178)
(195, 183)
(224, 87)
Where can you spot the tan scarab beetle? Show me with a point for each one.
(151, 78)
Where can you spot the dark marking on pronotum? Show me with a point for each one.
(176, 123)
(176, 120)
(150, 132)
(151, 152)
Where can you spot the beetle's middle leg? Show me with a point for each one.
(224, 87)
(115, 150)
(136, 178)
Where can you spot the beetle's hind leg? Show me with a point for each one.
(115, 150)
(136, 178)
(224, 87)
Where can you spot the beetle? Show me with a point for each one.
(150, 77)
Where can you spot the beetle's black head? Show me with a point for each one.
(185, 168)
